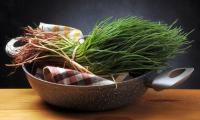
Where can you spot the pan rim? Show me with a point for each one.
(80, 86)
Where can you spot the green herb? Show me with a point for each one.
(129, 44)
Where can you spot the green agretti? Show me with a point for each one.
(130, 44)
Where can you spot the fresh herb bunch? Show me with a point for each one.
(129, 44)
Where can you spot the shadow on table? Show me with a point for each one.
(138, 110)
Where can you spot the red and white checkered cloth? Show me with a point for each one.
(70, 77)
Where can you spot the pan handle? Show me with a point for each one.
(11, 49)
(171, 79)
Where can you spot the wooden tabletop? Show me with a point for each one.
(25, 104)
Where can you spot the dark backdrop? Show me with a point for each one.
(82, 14)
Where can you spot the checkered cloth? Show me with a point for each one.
(69, 32)
(70, 77)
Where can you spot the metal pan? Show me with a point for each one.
(101, 97)
(104, 97)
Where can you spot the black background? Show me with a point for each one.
(83, 14)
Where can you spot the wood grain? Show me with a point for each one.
(25, 104)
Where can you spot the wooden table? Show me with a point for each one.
(25, 104)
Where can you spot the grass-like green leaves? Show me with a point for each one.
(130, 44)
